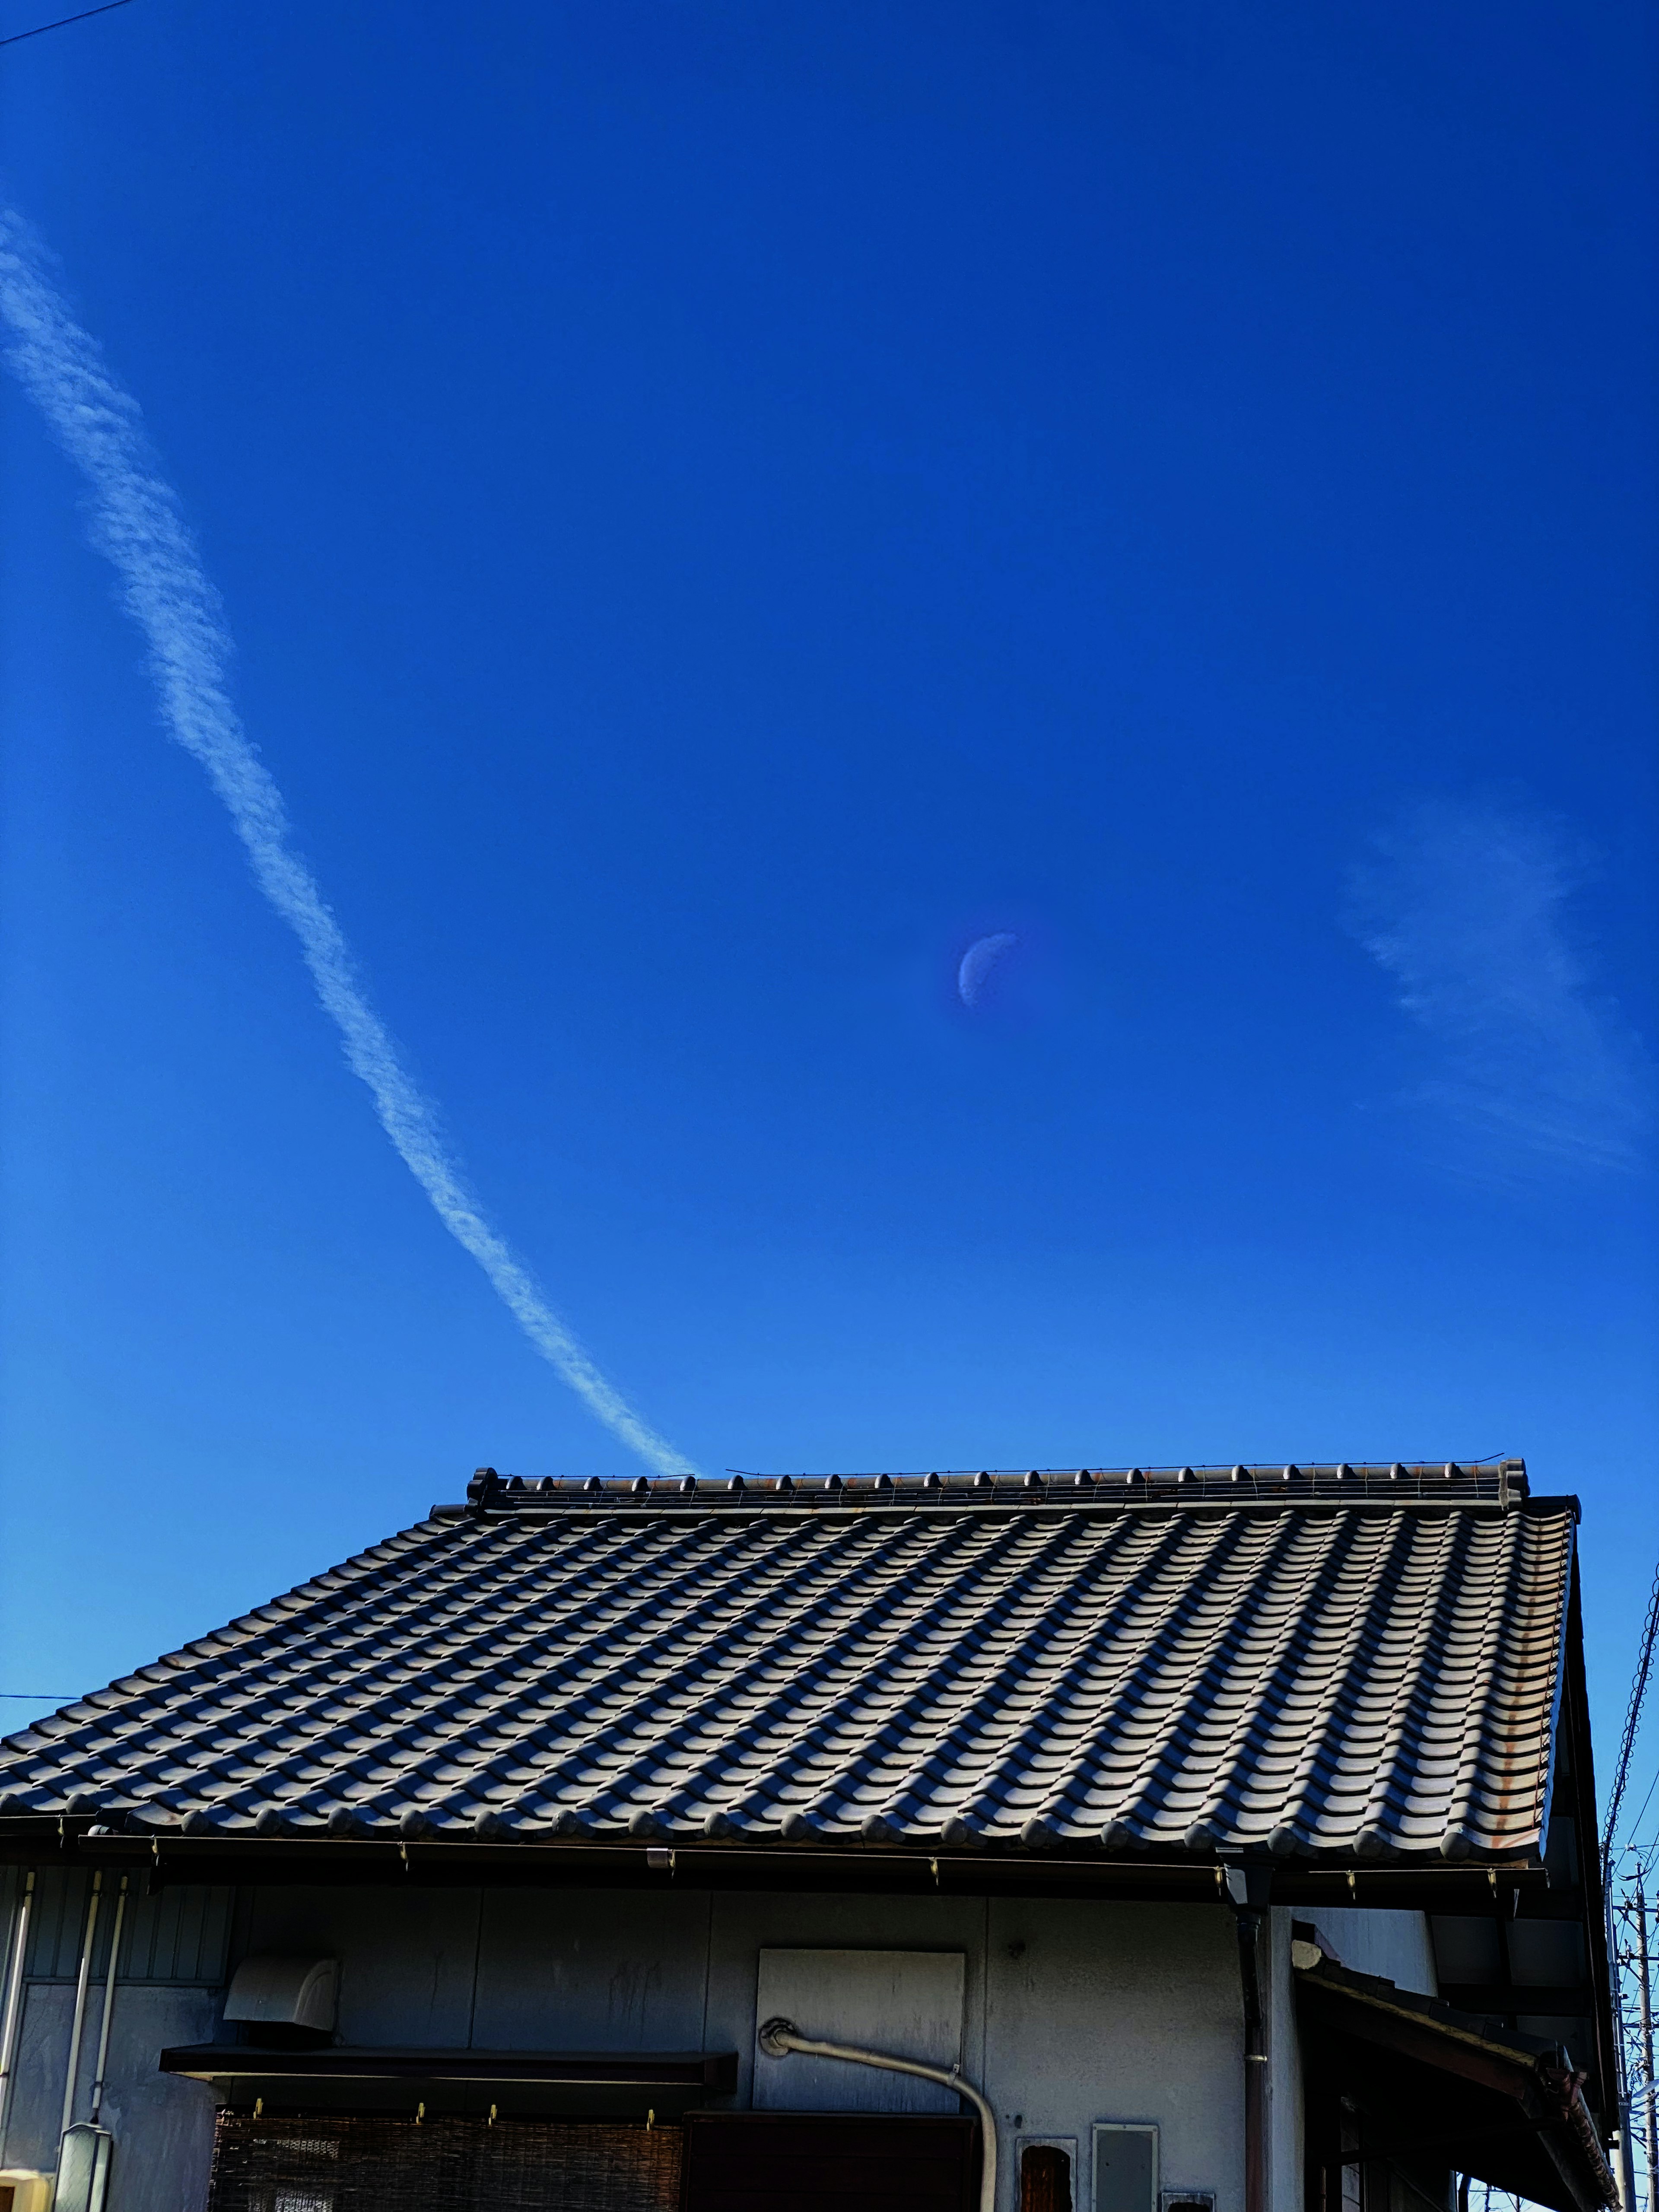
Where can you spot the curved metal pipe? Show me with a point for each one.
(778, 2038)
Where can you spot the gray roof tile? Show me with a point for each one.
(1338, 1661)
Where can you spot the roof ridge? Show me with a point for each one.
(1502, 1481)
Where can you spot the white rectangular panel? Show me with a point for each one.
(1126, 2166)
(905, 2003)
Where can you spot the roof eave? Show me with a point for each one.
(1426, 1880)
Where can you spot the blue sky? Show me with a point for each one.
(719, 508)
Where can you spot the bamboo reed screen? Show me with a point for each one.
(327, 2163)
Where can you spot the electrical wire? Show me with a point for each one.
(62, 22)
(1638, 1691)
(1637, 1850)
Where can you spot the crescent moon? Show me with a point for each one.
(977, 962)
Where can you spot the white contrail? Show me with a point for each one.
(136, 522)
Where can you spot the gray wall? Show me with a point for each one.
(1285, 2107)
(1119, 2012)
(1392, 1944)
(1074, 2012)
(168, 1990)
(163, 2129)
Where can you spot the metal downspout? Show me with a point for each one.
(101, 2068)
(1256, 2064)
(1249, 1888)
(80, 2015)
(780, 2037)
(12, 2018)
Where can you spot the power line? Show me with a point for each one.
(41, 1697)
(62, 22)
(1634, 1826)
(1638, 1691)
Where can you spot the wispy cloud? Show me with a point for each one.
(1467, 907)
(136, 521)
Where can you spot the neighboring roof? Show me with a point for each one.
(1484, 2099)
(1329, 1661)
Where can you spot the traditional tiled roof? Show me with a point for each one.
(1331, 1661)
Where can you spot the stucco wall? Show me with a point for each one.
(1392, 1944)
(1119, 2013)
(1284, 2109)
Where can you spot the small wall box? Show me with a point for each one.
(1187, 2200)
(21, 2190)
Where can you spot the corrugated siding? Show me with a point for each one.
(177, 1935)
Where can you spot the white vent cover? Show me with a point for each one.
(908, 2003)
(296, 1991)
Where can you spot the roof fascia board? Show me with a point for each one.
(1435, 1885)
(1575, 1706)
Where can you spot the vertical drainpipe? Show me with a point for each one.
(1250, 1886)
(81, 1981)
(14, 2003)
(101, 2071)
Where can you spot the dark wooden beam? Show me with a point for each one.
(1573, 2000)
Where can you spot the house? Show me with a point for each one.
(1146, 1841)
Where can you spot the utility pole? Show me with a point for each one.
(1615, 1913)
(1650, 2089)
